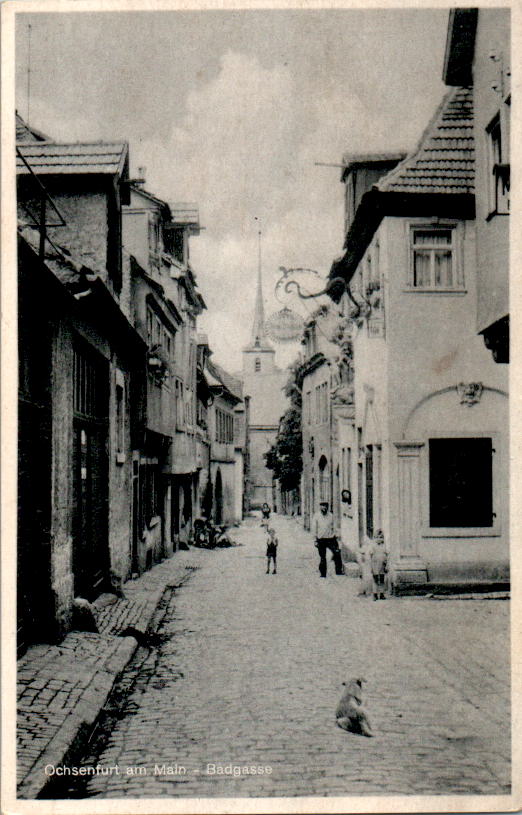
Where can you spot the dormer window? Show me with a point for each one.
(434, 264)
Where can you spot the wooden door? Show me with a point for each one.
(35, 606)
(90, 474)
(369, 491)
(35, 601)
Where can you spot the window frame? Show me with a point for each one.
(120, 411)
(459, 286)
(498, 161)
(308, 407)
(459, 531)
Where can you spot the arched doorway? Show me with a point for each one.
(218, 499)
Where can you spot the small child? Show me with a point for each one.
(271, 551)
(379, 566)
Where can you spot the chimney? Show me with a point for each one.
(140, 180)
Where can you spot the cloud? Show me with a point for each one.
(246, 147)
(241, 139)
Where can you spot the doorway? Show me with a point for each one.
(90, 472)
(369, 490)
(35, 601)
(218, 498)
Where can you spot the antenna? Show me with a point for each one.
(28, 71)
(327, 164)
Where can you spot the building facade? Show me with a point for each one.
(478, 55)
(226, 432)
(166, 304)
(80, 360)
(114, 450)
(316, 387)
(426, 460)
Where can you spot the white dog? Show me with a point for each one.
(350, 713)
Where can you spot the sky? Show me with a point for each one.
(231, 110)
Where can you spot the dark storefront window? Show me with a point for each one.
(150, 491)
(461, 482)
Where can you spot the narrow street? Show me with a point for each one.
(249, 674)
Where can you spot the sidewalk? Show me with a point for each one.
(62, 688)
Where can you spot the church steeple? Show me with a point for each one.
(259, 339)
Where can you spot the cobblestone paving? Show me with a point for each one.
(55, 681)
(250, 672)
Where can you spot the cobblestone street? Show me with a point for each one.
(249, 674)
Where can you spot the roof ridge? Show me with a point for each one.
(420, 144)
(51, 143)
(446, 132)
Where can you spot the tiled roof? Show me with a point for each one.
(230, 382)
(25, 133)
(140, 190)
(49, 158)
(443, 161)
(70, 272)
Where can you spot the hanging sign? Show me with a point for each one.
(284, 326)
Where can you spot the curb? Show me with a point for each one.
(78, 722)
(67, 743)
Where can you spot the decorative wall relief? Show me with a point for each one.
(469, 393)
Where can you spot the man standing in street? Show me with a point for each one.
(323, 532)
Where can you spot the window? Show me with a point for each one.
(308, 407)
(188, 407)
(224, 432)
(461, 482)
(177, 244)
(89, 384)
(376, 277)
(154, 234)
(497, 134)
(321, 403)
(202, 412)
(257, 364)
(324, 480)
(150, 481)
(346, 468)
(324, 402)
(310, 341)
(434, 259)
(120, 418)
(159, 337)
(179, 404)
(150, 321)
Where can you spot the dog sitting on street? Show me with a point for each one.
(350, 713)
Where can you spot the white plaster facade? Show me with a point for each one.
(407, 393)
